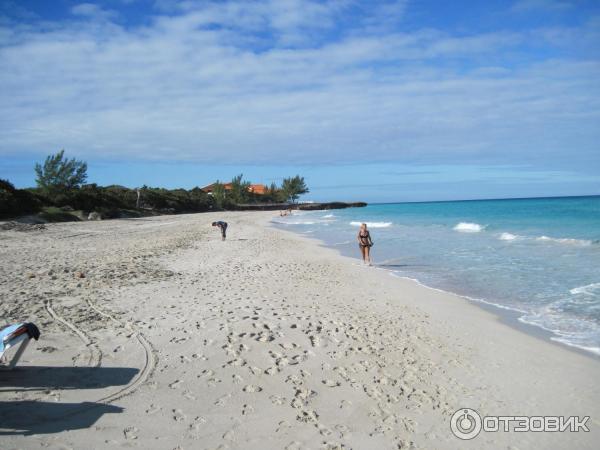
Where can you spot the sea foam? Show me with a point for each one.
(568, 241)
(589, 289)
(508, 237)
(468, 227)
(372, 224)
(293, 222)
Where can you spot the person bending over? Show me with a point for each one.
(223, 226)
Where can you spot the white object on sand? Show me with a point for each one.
(13, 336)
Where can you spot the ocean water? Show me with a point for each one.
(538, 257)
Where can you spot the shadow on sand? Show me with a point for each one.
(31, 417)
(45, 377)
(38, 417)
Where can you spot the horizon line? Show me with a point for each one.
(487, 199)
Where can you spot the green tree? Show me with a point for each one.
(275, 194)
(293, 188)
(240, 189)
(218, 194)
(59, 175)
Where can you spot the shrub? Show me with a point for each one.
(54, 214)
(17, 202)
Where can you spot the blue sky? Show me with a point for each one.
(379, 101)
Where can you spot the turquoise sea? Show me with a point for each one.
(538, 257)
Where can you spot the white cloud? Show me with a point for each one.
(92, 11)
(291, 22)
(192, 86)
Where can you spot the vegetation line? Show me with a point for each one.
(62, 194)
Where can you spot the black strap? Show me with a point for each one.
(32, 330)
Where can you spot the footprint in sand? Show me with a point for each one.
(206, 373)
(296, 360)
(288, 345)
(197, 423)
(252, 388)
(131, 433)
(265, 337)
(331, 383)
(221, 401)
(277, 400)
(189, 395)
(345, 404)
(324, 431)
(255, 370)
(229, 435)
(342, 429)
(307, 416)
(213, 381)
(153, 409)
(235, 362)
(236, 378)
(178, 415)
(283, 426)
(272, 370)
(282, 362)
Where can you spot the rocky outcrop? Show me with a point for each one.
(301, 206)
(330, 205)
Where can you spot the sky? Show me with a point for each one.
(381, 101)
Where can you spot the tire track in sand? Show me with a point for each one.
(95, 359)
(150, 358)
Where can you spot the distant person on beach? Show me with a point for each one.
(365, 243)
(223, 226)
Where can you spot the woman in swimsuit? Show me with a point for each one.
(365, 243)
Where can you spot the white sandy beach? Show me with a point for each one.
(173, 339)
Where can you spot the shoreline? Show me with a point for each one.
(512, 318)
(266, 341)
(509, 315)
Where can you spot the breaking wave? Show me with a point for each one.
(508, 237)
(568, 241)
(468, 227)
(372, 224)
